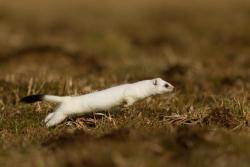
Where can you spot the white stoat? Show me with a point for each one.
(100, 100)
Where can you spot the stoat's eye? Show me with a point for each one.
(166, 85)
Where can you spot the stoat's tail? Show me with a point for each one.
(50, 98)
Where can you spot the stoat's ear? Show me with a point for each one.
(155, 82)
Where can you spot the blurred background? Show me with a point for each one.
(130, 39)
(73, 47)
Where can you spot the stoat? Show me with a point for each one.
(100, 100)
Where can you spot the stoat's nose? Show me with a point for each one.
(173, 88)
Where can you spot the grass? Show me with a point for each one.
(72, 48)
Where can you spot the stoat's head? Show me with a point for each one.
(160, 86)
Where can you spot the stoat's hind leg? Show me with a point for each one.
(56, 117)
(48, 117)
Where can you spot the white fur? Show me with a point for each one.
(105, 99)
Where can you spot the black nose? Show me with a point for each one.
(166, 85)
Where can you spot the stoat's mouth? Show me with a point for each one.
(172, 88)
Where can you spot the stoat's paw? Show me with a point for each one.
(128, 102)
(49, 116)
(124, 104)
(55, 119)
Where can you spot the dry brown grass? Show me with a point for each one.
(73, 48)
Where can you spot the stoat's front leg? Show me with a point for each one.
(129, 101)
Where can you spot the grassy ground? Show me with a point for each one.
(202, 48)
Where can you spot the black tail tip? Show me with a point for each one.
(32, 99)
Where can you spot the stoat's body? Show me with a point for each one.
(100, 100)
